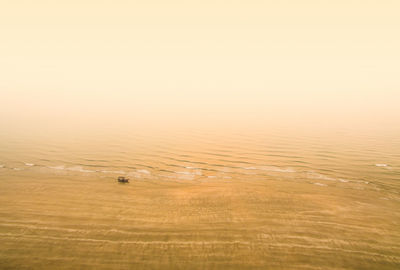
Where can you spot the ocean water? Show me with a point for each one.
(199, 199)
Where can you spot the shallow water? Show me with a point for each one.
(200, 200)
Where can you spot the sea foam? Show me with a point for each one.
(74, 168)
(319, 184)
(277, 169)
(116, 172)
(79, 169)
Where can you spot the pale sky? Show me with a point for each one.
(229, 61)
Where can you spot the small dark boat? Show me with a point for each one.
(123, 179)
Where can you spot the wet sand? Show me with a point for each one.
(64, 221)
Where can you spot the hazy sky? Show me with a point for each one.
(200, 61)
